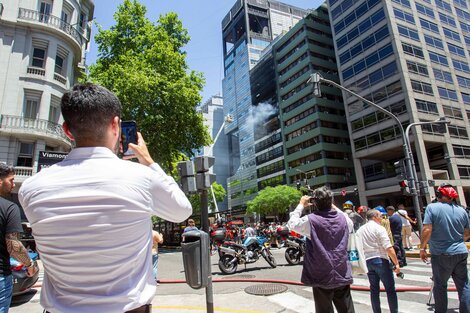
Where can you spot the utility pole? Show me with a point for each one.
(316, 79)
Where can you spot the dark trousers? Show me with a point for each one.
(443, 267)
(380, 270)
(399, 250)
(340, 297)
(143, 309)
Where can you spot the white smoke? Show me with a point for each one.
(260, 113)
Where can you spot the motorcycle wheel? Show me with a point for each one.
(225, 264)
(292, 256)
(267, 255)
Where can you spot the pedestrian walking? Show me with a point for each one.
(396, 229)
(326, 266)
(249, 231)
(377, 251)
(446, 227)
(157, 239)
(10, 245)
(406, 227)
(93, 205)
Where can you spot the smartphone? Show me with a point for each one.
(128, 135)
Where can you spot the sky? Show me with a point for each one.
(202, 19)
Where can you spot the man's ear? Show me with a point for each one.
(67, 132)
(116, 126)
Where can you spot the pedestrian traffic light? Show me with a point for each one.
(356, 192)
(202, 165)
(404, 187)
(400, 169)
(186, 172)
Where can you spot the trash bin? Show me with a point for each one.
(196, 260)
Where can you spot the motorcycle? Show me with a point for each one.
(248, 252)
(295, 250)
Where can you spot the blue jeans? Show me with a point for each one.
(155, 264)
(379, 270)
(443, 267)
(6, 289)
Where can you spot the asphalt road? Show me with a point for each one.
(231, 296)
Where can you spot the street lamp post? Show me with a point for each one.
(316, 79)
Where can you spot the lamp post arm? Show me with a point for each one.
(366, 101)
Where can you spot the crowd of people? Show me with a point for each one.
(94, 205)
(384, 235)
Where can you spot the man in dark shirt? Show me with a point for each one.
(10, 245)
(395, 227)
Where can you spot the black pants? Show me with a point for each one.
(143, 309)
(340, 297)
(399, 250)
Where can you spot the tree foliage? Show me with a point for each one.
(219, 192)
(275, 200)
(144, 65)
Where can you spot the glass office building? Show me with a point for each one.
(412, 58)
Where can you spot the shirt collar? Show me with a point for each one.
(90, 152)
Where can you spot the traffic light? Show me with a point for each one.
(400, 169)
(186, 172)
(356, 192)
(202, 164)
(298, 185)
(404, 187)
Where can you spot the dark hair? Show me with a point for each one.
(390, 208)
(88, 109)
(323, 198)
(6, 170)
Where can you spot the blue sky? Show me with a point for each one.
(202, 19)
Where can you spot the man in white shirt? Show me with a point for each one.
(377, 250)
(91, 213)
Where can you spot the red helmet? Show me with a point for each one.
(447, 190)
(362, 209)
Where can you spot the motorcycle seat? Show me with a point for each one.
(236, 245)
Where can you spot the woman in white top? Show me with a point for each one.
(406, 227)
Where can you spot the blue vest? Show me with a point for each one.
(326, 263)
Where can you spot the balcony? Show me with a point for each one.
(52, 21)
(36, 71)
(61, 79)
(22, 172)
(36, 127)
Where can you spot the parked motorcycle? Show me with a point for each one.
(295, 250)
(248, 252)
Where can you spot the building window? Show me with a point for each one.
(443, 75)
(451, 34)
(417, 68)
(54, 109)
(45, 9)
(421, 87)
(452, 112)
(61, 61)
(461, 151)
(433, 42)
(408, 32)
(82, 21)
(457, 132)
(425, 10)
(461, 66)
(404, 16)
(426, 106)
(25, 155)
(412, 50)
(438, 58)
(447, 19)
(464, 171)
(447, 94)
(31, 109)
(39, 57)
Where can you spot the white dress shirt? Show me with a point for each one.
(301, 225)
(375, 240)
(91, 219)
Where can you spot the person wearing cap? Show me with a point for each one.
(377, 251)
(446, 227)
(348, 208)
(385, 222)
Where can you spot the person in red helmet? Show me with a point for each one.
(446, 227)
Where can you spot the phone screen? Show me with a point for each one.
(128, 135)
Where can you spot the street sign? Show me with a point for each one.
(48, 158)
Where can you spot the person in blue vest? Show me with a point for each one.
(326, 265)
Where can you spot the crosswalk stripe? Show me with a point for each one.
(293, 302)
(403, 305)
